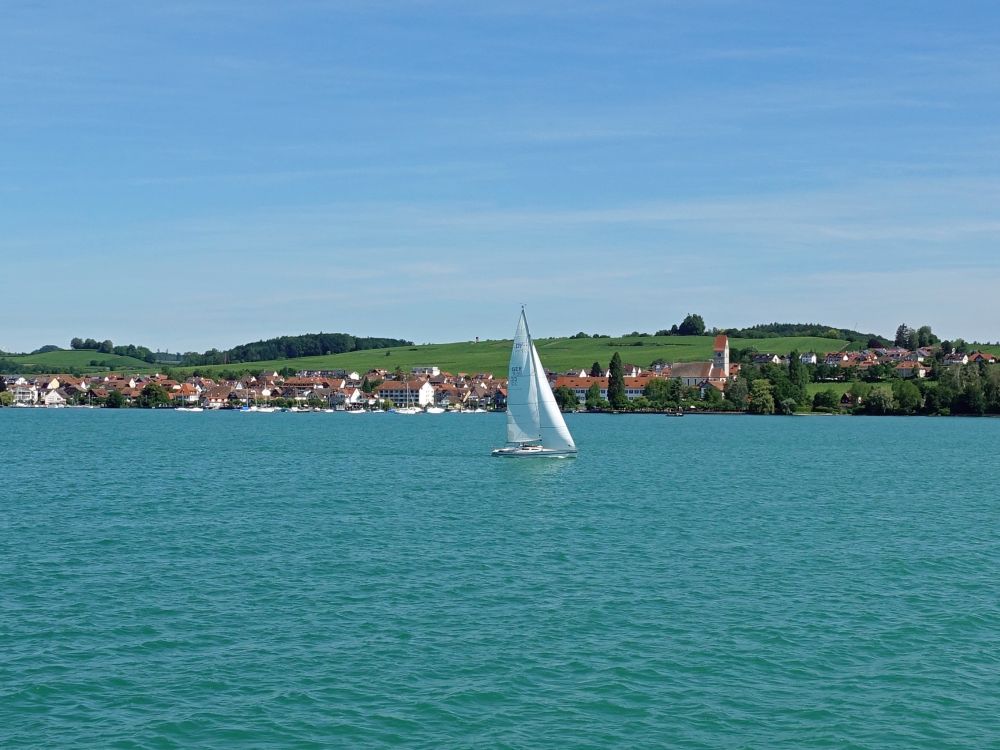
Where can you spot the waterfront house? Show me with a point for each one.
(54, 397)
(406, 393)
(24, 393)
(216, 397)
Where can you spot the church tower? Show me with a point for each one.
(720, 357)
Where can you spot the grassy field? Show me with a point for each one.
(486, 356)
(557, 354)
(65, 360)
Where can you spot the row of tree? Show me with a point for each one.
(281, 347)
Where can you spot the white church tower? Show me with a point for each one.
(720, 357)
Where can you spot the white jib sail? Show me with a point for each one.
(552, 426)
(522, 395)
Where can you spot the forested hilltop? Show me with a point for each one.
(105, 355)
(291, 347)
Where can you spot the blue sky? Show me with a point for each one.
(194, 174)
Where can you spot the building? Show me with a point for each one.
(406, 393)
(717, 372)
(634, 387)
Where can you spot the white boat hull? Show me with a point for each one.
(532, 452)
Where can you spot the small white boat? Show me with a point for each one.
(189, 408)
(408, 410)
(433, 410)
(535, 426)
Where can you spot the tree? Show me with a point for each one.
(106, 347)
(596, 371)
(908, 397)
(713, 397)
(153, 395)
(902, 335)
(692, 325)
(926, 337)
(6, 398)
(594, 400)
(566, 398)
(616, 383)
(76, 343)
(880, 401)
(761, 400)
(737, 392)
(787, 406)
(827, 399)
(115, 400)
(663, 393)
(859, 390)
(798, 377)
(912, 340)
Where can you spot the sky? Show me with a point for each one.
(195, 174)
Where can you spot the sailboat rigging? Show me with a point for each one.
(535, 426)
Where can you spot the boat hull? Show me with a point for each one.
(533, 452)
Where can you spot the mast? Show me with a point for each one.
(522, 393)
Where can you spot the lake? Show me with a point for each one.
(221, 580)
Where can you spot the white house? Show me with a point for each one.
(54, 397)
(911, 369)
(809, 358)
(407, 393)
(25, 394)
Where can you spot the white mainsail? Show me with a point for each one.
(522, 393)
(551, 427)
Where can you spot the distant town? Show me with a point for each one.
(936, 378)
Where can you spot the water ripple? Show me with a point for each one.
(266, 581)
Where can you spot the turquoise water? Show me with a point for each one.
(329, 580)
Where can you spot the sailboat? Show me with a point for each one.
(535, 426)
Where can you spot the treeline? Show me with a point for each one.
(694, 325)
(281, 347)
(290, 347)
(107, 347)
(816, 330)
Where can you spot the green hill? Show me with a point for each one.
(557, 354)
(64, 360)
